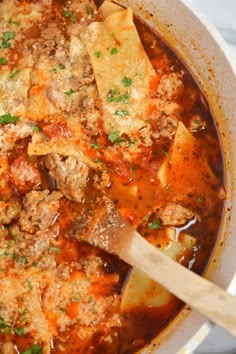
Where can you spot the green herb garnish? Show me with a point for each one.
(7, 36)
(69, 92)
(98, 54)
(114, 137)
(166, 153)
(3, 61)
(97, 160)
(127, 81)
(8, 119)
(19, 331)
(35, 128)
(199, 200)
(55, 249)
(22, 259)
(34, 349)
(112, 34)
(155, 224)
(14, 22)
(14, 73)
(95, 146)
(4, 327)
(114, 51)
(111, 97)
(123, 98)
(121, 113)
(29, 284)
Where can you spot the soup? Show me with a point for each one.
(94, 103)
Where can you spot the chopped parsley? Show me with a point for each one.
(67, 13)
(29, 284)
(3, 61)
(55, 249)
(14, 73)
(34, 349)
(95, 146)
(7, 36)
(71, 15)
(57, 67)
(114, 137)
(123, 98)
(127, 81)
(166, 153)
(98, 54)
(4, 327)
(111, 97)
(35, 128)
(69, 92)
(155, 224)
(14, 22)
(114, 51)
(121, 113)
(199, 200)
(8, 119)
(197, 121)
(19, 331)
(22, 259)
(97, 160)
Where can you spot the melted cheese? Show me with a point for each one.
(117, 54)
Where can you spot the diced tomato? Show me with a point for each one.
(73, 309)
(56, 130)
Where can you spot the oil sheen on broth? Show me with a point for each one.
(61, 147)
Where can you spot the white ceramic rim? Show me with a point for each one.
(195, 325)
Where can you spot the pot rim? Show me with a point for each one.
(206, 328)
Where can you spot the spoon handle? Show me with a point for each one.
(209, 299)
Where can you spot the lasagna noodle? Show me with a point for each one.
(117, 54)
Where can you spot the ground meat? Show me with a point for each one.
(71, 175)
(9, 211)
(24, 175)
(32, 247)
(174, 214)
(10, 133)
(40, 210)
(170, 86)
(166, 127)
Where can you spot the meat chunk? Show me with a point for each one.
(40, 210)
(9, 211)
(10, 133)
(170, 86)
(32, 247)
(174, 214)
(71, 175)
(166, 127)
(24, 175)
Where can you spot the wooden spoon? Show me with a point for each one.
(108, 230)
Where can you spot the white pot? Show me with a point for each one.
(204, 51)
